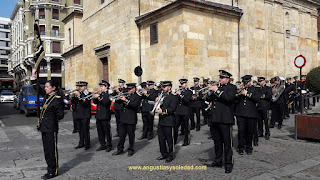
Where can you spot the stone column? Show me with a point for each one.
(48, 59)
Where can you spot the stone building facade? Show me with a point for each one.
(187, 38)
(49, 13)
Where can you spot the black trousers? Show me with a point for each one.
(263, 119)
(205, 115)
(50, 141)
(245, 132)
(255, 130)
(165, 137)
(148, 120)
(75, 122)
(195, 110)
(117, 115)
(84, 127)
(125, 129)
(104, 130)
(277, 113)
(183, 121)
(222, 137)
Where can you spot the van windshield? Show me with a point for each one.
(31, 91)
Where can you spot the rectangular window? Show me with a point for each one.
(77, 2)
(56, 47)
(55, 14)
(42, 30)
(102, 1)
(42, 13)
(55, 31)
(56, 66)
(43, 67)
(55, 0)
(7, 44)
(3, 35)
(70, 36)
(3, 43)
(153, 33)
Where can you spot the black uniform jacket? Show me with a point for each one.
(118, 105)
(265, 97)
(197, 102)
(83, 107)
(128, 114)
(151, 95)
(247, 104)
(169, 106)
(184, 102)
(222, 110)
(103, 106)
(52, 113)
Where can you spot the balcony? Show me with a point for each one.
(55, 33)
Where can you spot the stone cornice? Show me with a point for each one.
(203, 6)
(16, 8)
(72, 51)
(72, 15)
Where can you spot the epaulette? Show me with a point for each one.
(58, 97)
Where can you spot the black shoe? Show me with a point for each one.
(101, 148)
(240, 151)
(79, 146)
(260, 135)
(142, 137)
(150, 137)
(185, 144)
(267, 136)
(215, 164)
(192, 128)
(271, 126)
(169, 160)
(198, 129)
(108, 149)
(48, 176)
(279, 126)
(161, 157)
(117, 153)
(86, 148)
(117, 135)
(255, 143)
(75, 131)
(249, 151)
(130, 153)
(181, 134)
(228, 170)
(210, 137)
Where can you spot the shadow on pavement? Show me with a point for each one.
(80, 158)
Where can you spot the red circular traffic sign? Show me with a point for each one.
(300, 61)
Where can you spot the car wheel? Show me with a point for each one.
(26, 113)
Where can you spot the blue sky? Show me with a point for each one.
(6, 7)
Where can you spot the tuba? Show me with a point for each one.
(277, 91)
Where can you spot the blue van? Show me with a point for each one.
(28, 99)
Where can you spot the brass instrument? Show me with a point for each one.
(118, 97)
(90, 96)
(157, 104)
(277, 91)
(175, 91)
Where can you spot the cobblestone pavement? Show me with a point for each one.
(281, 157)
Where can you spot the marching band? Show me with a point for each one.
(223, 104)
